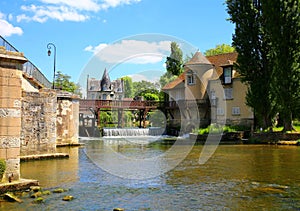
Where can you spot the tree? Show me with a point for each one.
(282, 23)
(252, 44)
(62, 81)
(146, 89)
(219, 49)
(128, 86)
(166, 78)
(174, 61)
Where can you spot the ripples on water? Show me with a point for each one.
(237, 177)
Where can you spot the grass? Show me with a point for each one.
(296, 125)
(213, 128)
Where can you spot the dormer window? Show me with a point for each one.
(227, 73)
(190, 78)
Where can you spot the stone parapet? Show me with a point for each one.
(67, 118)
(38, 133)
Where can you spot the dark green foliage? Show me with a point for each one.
(268, 42)
(2, 168)
(174, 61)
(128, 87)
(252, 44)
(282, 22)
(151, 96)
(63, 82)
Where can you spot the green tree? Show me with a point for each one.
(174, 61)
(282, 23)
(63, 82)
(166, 78)
(128, 86)
(146, 89)
(252, 44)
(219, 49)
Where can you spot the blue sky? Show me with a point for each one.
(92, 34)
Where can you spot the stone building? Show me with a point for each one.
(210, 91)
(34, 119)
(105, 89)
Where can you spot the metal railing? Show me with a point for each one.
(28, 67)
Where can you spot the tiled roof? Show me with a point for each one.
(221, 60)
(217, 60)
(176, 82)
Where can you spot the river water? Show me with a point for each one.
(236, 177)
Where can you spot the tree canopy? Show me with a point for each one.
(63, 82)
(267, 41)
(128, 86)
(219, 49)
(174, 61)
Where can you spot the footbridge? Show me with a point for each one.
(174, 111)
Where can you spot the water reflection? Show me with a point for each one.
(237, 177)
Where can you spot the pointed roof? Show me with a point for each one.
(105, 82)
(198, 58)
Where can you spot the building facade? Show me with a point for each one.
(213, 85)
(105, 89)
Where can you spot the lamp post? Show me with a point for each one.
(49, 53)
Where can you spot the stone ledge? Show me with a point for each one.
(70, 145)
(43, 156)
(18, 185)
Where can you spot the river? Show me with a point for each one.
(236, 177)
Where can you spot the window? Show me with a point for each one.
(220, 111)
(213, 99)
(228, 94)
(236, 111)
(190, 78)
(104, 96)
(227, 75)
(92, 96)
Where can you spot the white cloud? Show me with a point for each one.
(43, 13)
(96, 49)
(114, 3)
(88, 5)
(7, 29)
(131, 51)
(140, 77)
(67, 10)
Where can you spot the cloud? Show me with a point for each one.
(7, 29)
(131, 51)
(67, 10)
(146, 77)
(114, 3)
(43, 13)
(87, 5)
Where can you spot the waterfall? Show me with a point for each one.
(152, 131)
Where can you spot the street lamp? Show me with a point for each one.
(49, 53)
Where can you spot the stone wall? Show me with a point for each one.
(38, 133)
(10, 121)
(67, 122)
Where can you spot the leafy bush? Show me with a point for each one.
(2, 167)
(214, 128)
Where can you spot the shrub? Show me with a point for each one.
(2, 167)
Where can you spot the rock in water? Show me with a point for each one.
(11, 197)
(68, 198)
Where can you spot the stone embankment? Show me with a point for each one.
(256, 138)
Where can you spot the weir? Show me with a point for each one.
(151, 131)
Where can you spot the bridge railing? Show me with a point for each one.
(28, 67)
(86, 104)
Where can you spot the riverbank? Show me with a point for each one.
(244, 137)
(18, 185)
